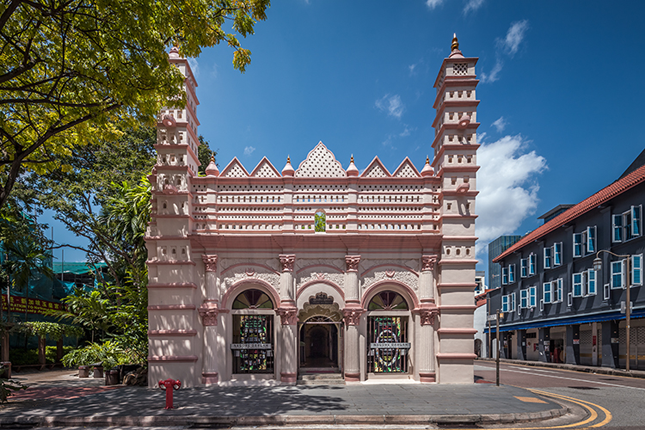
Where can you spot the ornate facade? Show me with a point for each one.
(257, 277)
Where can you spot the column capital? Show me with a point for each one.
(427, 315)
(352, 262)
(352, 316)
(209, 310)
(288, 316)
(287, 261)
(210, 262)
(428, 262)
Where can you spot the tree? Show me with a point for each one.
(204, 154)
(70, 69)
(113, 217)
(24, 260)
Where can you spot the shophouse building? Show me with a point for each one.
(556, 306)
(256, 275)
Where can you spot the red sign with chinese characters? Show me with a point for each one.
(32, 306)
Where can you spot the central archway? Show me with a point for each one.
(320, 336)
(319, 344)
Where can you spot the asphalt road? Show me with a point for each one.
(623, 397)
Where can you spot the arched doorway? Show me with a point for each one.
(319, 343)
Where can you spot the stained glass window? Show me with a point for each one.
(252, 344)
(253, 299)
(387, 300)
(388, 347)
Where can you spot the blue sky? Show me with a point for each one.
(561, 93)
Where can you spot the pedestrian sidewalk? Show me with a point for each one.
(576, 367)
(59, 400)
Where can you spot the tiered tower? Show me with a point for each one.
(172, 286)
(455, 162)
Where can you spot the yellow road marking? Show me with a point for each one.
(593, 415)
(529, 399)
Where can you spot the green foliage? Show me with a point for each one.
(204, 154)
(51, 352)
(109, 353)
(71, 69)
(50, 330)
(22, 356)
(320, 221)
(8, 386)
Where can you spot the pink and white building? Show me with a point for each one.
(258, 275)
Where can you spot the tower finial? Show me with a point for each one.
(427, 159)
(352, 159)
(288, 159)
(455, 43)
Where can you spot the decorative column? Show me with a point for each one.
(289, 319)
(209, 312)
(425, 328)
(352, 315)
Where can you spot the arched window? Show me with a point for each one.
(320, 221)
(252, 334)
(252, 299)
(388, 334)
(387, 300)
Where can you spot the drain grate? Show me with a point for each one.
(584, 388)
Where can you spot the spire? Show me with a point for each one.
(288, 169)
(211, 169)
(352, 170)
(454, 48)
(427, 169)
(174, 52)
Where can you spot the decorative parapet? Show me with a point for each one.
(288, 316)
(210, 262)
(428, 262)
(209, 311)
(352, 262)
(352, 316)
(287, 261)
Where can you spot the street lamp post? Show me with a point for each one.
(597, 265)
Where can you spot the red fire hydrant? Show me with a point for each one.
(169, 385)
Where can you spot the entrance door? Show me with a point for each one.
(319, 343)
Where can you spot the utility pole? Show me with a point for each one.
(498, 351)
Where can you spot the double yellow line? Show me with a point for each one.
(592, 408)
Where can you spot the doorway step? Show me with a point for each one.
(310, 377)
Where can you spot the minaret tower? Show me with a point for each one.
(171, 287)
(455, 162)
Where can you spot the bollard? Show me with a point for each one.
(169, 385)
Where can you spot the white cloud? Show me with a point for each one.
(194, 66)
(215, 70)
(412, 67)
(494, 74)
(473, 5)
(509, 46)
(514, 37)
(249, 150)
(507, 187)
(392, 105)
(500, 124)
(433, 3)
(406, 131)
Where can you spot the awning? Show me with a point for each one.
(582, 319)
